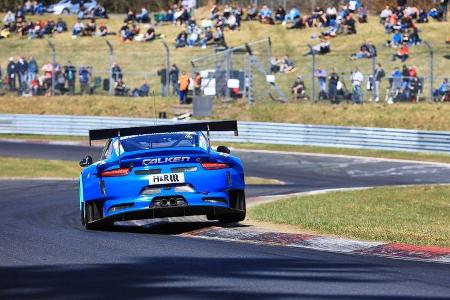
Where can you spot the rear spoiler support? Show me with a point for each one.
(102, 134)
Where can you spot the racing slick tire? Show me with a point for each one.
(237, 201)
(92, 212)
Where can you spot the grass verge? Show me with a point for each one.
(417, 215)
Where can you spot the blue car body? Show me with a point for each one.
(162, 175)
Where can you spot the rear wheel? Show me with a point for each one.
(93, 211)
(237, 201)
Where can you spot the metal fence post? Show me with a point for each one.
(374, 62)
(166, 92)
(111, 58)
(50, 44)
(431, 54)
(227, 73)
(269, 53)
(313, 81)
(249, 80)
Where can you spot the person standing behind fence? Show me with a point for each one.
(183, 85)
(333, 80)
(11, 70)
(162, 73)
(116, 72)
(32, 69)
(173, 76)
(70, 72)
(378, 74)
(84, 77)
(22, 69)
(321, 75)
(357, 78)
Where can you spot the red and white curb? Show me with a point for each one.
(324, 243)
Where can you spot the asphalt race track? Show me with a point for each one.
(45, 253)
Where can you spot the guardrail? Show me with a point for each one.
(250, 132)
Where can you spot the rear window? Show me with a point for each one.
(155, 141)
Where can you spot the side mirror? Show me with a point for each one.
(86, 161)
(223, 149)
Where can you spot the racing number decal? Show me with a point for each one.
(166, 178)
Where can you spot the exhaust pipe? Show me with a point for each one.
(173, 202)
(163, 202)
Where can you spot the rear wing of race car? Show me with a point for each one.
(102, 134)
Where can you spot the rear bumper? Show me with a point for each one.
(165, 212)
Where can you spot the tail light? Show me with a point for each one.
(115, 172)
(214, 166)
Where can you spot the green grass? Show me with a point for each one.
(417, 215)
(423, 116)
(38, 168)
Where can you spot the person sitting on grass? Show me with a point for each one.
(367, 50)
(402, 53)
(90, 28)
(125, 33)
(61, 26)
(287, 65)
(181, 40)
(120, 89)
(265, 15)
(322, 48)
(298, 89)
(78, 29)
(102, 29)
(141, 91)
(350, 25)
(280, 14)
(362, 15)
(423, 16)
(293, 16)
(385, 13)
(144, 16)
(252, 13)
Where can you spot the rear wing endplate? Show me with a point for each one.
(102, 134)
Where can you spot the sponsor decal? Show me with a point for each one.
(156, 179)
(165, 160)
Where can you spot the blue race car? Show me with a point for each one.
(161, 171)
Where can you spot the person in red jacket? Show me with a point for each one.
(402, 54)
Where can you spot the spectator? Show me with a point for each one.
(90, 28)
(443, 92)
(280, 14)
(287, 65)
(265, 15)
(99, 12)
(22, 70)
(197, 84)
(274, 65)
(120, 89)
(252, 13)
(209, 36)
(402, 53)
(293, 15)
(130, 17)
(144, 16)
(181, 40)
(9, 19)
(437, 14)
(11, 71)
(322, 48)
(183, 87)
(78, 29)
(318, 16)
(126, 34)
(378, 75)
(423, 16)
(350, 25)
(60, 79)
(84, 76)
(47, 69)
(219, 38)
(333, 81)
(321, 75)
(357, 80)
(298, 89)
(353, 6)
(142, 91)
(70, 72)
(367, 50)
(331, 14)
(362, 15)
(32, 69)
(385, 14)
(414, 88)
(162, 73)
(102, 29)
(61, 26)
(173, 76)
(116, 72)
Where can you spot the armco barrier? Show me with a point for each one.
(252, 132)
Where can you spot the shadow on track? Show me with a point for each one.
(184, 277)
